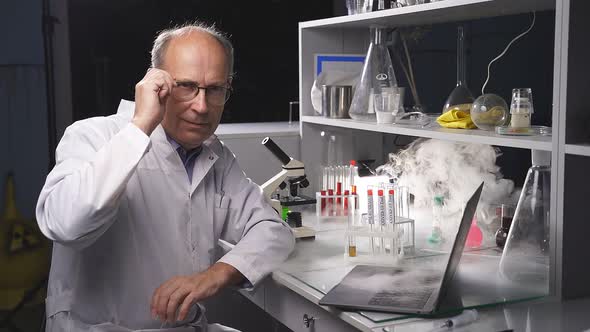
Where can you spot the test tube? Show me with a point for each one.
(403, 199)
(381, 214)
(405, 232)
(351, 173)
(391, 218)
(355, 197)
(323, 190)
(339, 177)
(346, 206)
(346, 185)
(351, 246)
(344, 172)
(371, 215)
(330, 204)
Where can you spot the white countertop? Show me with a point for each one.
(257, 129)
(326, 253)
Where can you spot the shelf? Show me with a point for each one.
(578, 149)
(435, 12)
(436, 132)
(257, 129)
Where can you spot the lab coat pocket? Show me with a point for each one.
(219, 219)
(220, 213)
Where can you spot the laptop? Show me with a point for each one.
(402, 289)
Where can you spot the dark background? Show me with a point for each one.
(111, 41)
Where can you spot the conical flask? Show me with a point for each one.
(525, 258)
(377, 75)
(460, 98)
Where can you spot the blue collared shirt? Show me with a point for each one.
(188, 157)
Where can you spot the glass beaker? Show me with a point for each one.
(521, 108)
(526, 254)
(460, 98)
(387, 105)
(377, 75)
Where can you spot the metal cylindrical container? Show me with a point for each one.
(336, 100)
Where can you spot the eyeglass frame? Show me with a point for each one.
(195, 86)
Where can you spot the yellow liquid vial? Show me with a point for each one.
(351, 251)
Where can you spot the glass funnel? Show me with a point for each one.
(377, 75)
(525, 258)
(460, 98)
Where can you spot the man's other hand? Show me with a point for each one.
(184, 291)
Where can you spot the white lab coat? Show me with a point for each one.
(124, 219)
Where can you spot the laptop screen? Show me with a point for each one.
(461, 238)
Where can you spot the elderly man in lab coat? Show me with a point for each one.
(138, 201)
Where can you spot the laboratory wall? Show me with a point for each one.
(23, 106)
(24, 153)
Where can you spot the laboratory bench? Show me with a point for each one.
(291, 295)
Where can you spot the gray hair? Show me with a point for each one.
(165, 36)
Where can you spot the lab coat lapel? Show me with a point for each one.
(203, 165)
(171, 159)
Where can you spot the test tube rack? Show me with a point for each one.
(393, 241)
(335, 211)
(386, 223)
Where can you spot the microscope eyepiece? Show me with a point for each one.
(276, 150)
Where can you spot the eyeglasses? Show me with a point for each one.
(215, 95)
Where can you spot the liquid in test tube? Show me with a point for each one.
(324, 189)
(330, 205)
(351, 246)
(345, 210)
(323, 202)
(339, 177)
(371, 216)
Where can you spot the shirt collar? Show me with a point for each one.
(182, 151)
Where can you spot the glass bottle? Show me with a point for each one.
(460, 98)
(376, 76)
(475, 236)
(526, 254)
(505, 222)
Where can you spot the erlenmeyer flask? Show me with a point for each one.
(460, 98)
(377, 75)
(525, 258)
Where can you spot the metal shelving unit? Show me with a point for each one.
(349, 34)
(578, 149)
(431, 13)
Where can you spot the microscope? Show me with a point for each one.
(293, 175)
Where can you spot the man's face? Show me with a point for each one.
(198, 58)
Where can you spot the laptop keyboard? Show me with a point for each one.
(413, 299)
(412, 295)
